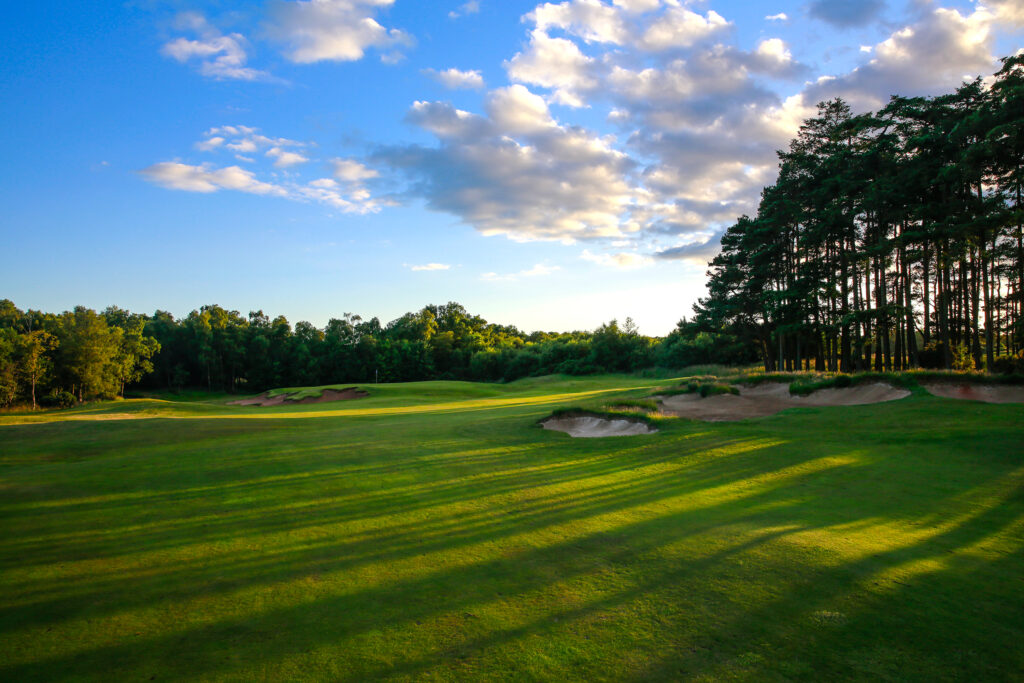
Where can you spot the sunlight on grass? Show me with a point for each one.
(444, 539)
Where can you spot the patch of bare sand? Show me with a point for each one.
(328, 395)
(769, 398)
(986, 393)
(590, 426)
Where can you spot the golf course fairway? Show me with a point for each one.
(434, 531)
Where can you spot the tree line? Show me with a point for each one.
(891, 240)
(62, 359)
(59, 359)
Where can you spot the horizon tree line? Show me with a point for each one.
(58, 360)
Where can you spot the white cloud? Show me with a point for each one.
(431, 267)
(456, 79)
(933, 55)
(348, 199)
(774, 50)
(698, 126)
(637, 6)
(210, 144)
(219, 56)
(349, 195)
(1010, 12)
(471, 7)
(781, 16)
(204, 178)
(284, 158)
(682, 28)
(591, 20)
(517, 172)
(555, 63)
(351, 171)
(332, 30)
(248, 140)
(516, 110)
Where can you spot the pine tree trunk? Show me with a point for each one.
(944, 301)
(926, 321)
(908, 304)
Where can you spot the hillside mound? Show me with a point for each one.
(769, 398)
(987, 393)
(328, 396)
(592, 426)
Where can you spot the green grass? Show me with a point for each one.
(433, 532)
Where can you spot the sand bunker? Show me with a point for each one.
(327, 396)
(590, 426)
(987, 393)
(769, 398)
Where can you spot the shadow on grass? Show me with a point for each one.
(450, 533)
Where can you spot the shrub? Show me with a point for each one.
(58, 399)
(1008, 365)
(714, 389)
(963, 361)
(932, 356)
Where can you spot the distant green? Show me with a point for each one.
(434, 532)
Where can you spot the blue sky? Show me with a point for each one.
(548, 165)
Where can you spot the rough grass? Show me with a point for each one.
(707, 385)
(430, 532)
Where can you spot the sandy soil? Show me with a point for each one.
(977, 392)
(772, 397)
(326, 397)
(590, 426)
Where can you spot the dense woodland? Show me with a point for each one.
(891, 240)
(82, 354)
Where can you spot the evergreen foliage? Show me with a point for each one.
(891, 240)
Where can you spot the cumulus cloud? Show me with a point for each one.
(591, 20)
(284, 158)
(936, 53)
(698, 123)
(681, 28)
(205, 178)
(456, 79)
(352, 171)
(219, 56)
(346, 191)
(517, 171)
(701, 142)
(1010, 12)
(348, 198)
(243, 140)
(781, 16)
(844, 13)
(555, 63)
(430, 267)
(333, 30)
